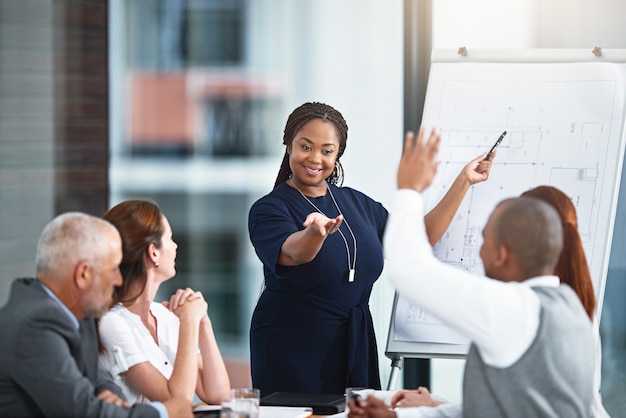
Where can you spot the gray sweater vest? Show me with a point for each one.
(553, 378)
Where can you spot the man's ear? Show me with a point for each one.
(83, 275)
(503, 256)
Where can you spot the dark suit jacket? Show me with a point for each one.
(49, 368)
(89, 364)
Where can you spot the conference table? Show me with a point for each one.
(324, 403)
(216, 414)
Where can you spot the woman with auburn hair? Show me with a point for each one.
(155, 350)
(573, 270)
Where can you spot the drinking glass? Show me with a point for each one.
(244, 402)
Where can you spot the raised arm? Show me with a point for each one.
(439, 218)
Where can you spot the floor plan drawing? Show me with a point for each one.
(564, 127)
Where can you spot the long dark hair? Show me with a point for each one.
(297, 119)
(572, 267)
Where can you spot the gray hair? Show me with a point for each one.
(70, 238)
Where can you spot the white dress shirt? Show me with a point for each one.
(501, 319)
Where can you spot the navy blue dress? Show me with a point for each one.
(312, 329)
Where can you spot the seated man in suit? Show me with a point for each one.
(48, 345)
(532, 344)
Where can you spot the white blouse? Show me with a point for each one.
(128, 342)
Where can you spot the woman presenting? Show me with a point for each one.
(321, 249)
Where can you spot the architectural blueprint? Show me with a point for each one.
(565, 128)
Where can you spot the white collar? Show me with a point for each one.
(547, 281)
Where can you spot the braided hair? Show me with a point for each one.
(297, 119)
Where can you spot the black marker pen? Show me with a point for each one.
(494, 146)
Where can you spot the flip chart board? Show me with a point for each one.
(563, 111)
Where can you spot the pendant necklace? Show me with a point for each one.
(351, 263)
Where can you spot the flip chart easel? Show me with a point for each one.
(563, 111)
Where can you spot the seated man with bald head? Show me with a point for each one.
(532, 344)
(48, 347)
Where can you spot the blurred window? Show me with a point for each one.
(196, 125)
(173, 34)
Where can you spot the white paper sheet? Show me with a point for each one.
(268, 411)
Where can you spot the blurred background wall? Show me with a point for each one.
(54, 137)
